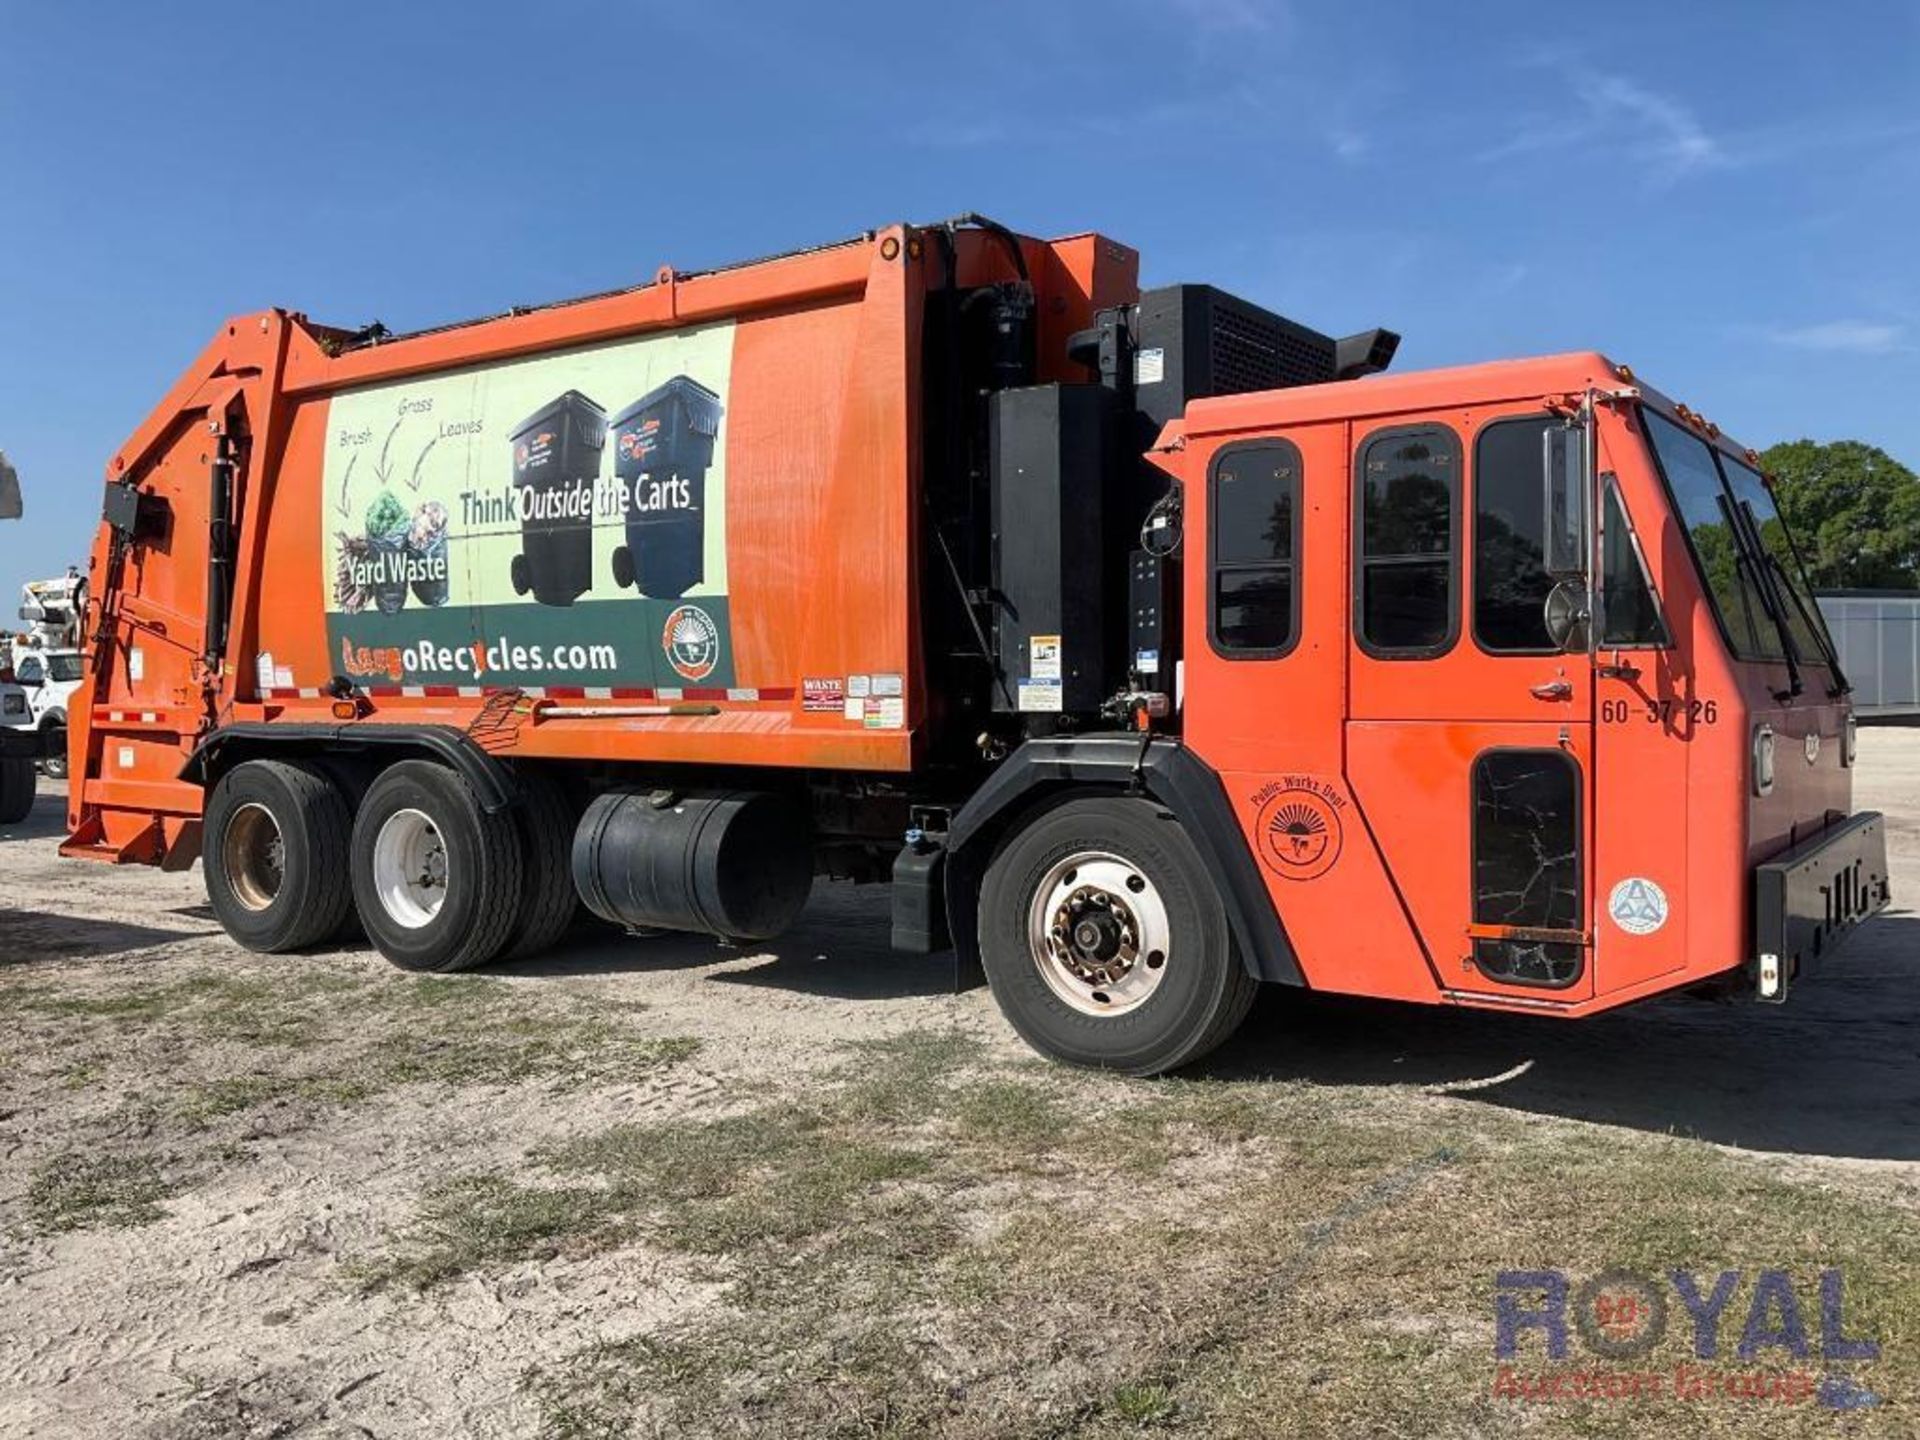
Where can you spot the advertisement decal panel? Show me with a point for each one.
(494, 526)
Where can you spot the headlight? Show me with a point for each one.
(1763, 760)
(1849, 740)
(13, 704)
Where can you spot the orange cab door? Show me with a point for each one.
(1652, 709)
(1469, 733)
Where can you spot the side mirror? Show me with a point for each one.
(1567, 621)
(1563, 511)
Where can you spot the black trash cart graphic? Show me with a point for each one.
(663, 446)
(556, 459)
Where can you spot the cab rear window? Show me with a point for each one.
(1253, 540)
(1406, 565)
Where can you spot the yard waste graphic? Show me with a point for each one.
(492, 526)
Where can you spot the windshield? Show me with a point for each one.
(1751, 490)
(1705, 498)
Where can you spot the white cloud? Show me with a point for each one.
(1244, 16)
(1615, 110)
(1854, 337)
(1670, 133)
(1348, 145)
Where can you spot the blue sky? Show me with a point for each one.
(1724, 195)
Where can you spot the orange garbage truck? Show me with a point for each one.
(1150, 644)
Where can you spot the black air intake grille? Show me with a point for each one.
(1252, 352)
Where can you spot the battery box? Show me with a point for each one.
(1053, 451)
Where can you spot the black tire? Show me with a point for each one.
(351, 777)
(548, 900)
(622, 567)
(18, 782)
(267, 903)
(53, 758)
(1200, 998)
(518, 572)
(481, 870)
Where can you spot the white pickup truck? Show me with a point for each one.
(49, 678)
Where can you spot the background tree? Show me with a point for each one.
(1854, 509)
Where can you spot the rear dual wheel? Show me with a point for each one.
(292, 852)
(1105, 942)
(436, 879)
(274, 850)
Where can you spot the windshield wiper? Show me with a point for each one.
(1829, 652)
(1748, 546)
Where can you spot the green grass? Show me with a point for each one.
(76, 1191)
(482, 1220)
(296, 1040)
(335, 1038)
(506, 1048)
(200, 1104)
(937, 1246)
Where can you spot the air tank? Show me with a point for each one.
(735, 863)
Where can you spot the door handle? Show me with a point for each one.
(1553, 690)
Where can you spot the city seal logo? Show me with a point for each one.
(692, 642)
(1638, 906)
(1297, 826)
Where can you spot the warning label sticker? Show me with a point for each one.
(1043, 657)
(886, 712)
(825, 693)
(1039, 695)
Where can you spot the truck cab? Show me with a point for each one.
(1525, 651)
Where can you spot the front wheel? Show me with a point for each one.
(53, 763)
(1105, 942)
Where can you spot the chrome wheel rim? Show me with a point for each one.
(255, 856)
(410, 868)
(1099, 933)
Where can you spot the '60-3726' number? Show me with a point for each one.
(1660, 712)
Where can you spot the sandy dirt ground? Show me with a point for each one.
(209, 1160)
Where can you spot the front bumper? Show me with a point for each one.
(1811, 898)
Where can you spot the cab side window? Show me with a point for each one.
(1253, 541)
(1406, 550)
(1510, 585)
(1632, 611)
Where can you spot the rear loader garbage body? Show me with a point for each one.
(663, 447)
(1146, 652)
